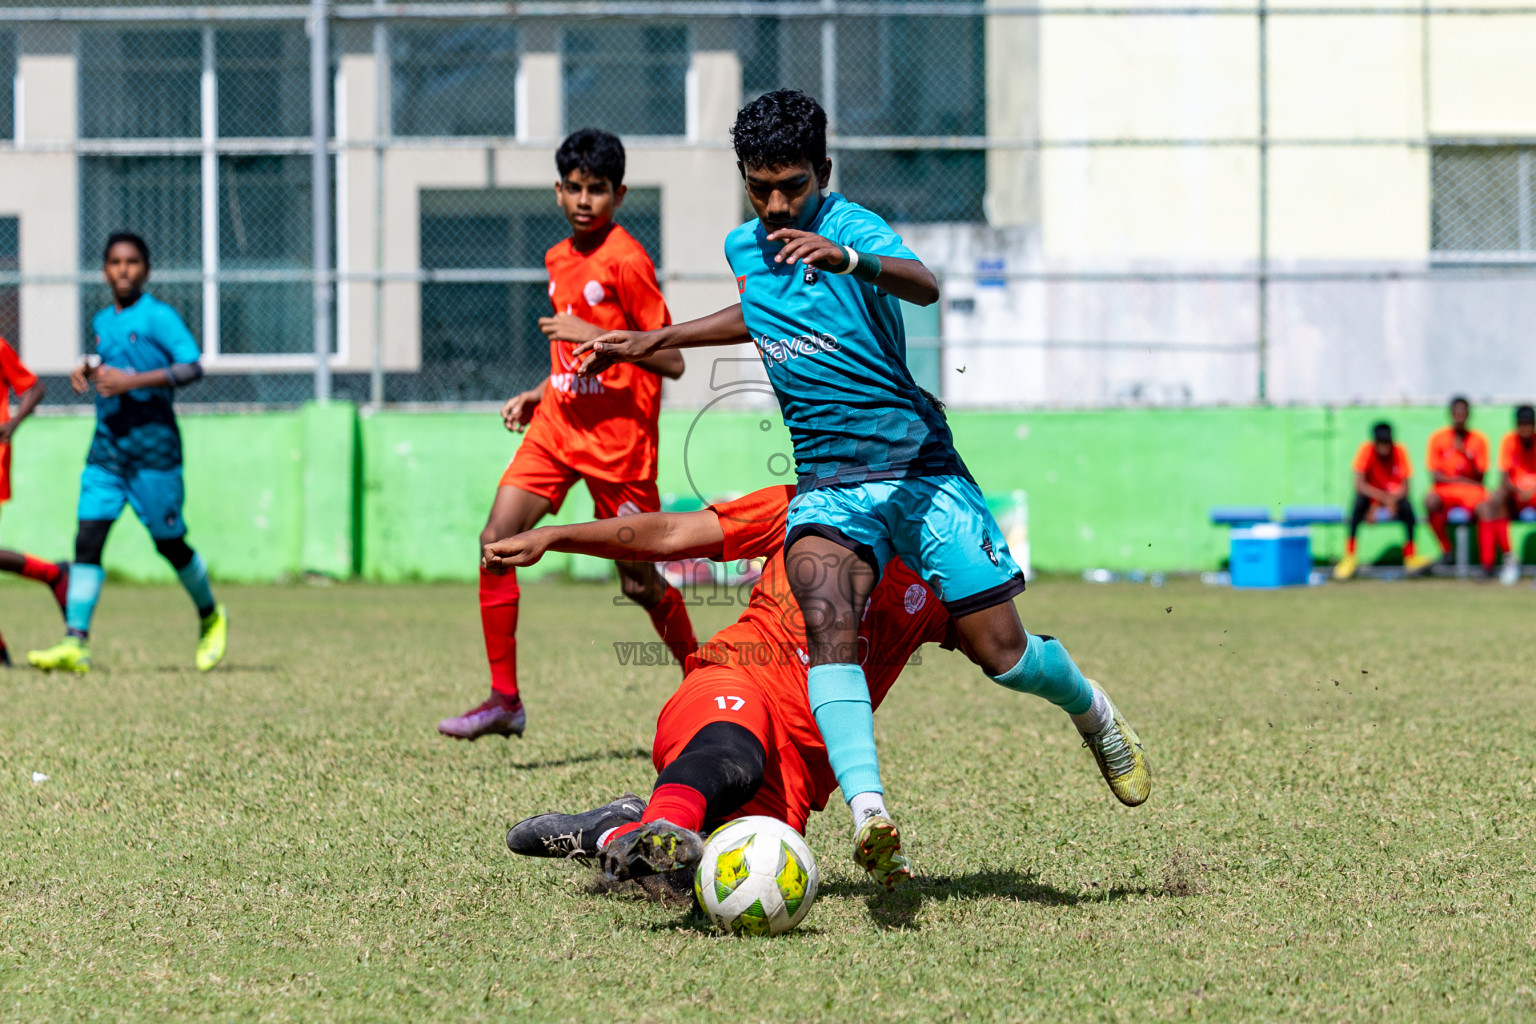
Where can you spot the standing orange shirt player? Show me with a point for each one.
(1381, 487)
(1516, 493)
(16, 379)
(598, 429)
(1457, 462)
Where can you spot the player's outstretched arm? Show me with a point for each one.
(648, 537)
(726, 327)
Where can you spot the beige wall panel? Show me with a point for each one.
(1336, 203)
(1148, 77)
(540, 75)
(40, 189)
(718, 92)
(1138, 204)
(1345, 77)
(1013, 78)
(1482, 76)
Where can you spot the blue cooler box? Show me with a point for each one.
(1271, 555)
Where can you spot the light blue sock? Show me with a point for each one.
(1047, 670)
(84, 591)
(840, 701)
(194, 576)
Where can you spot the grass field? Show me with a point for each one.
(1339, 827)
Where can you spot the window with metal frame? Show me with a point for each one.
(627, 77)
(1483, 201)
(140, 83)
(480, 340)
(454, 79)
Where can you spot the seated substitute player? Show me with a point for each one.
(878, 474)
(1457, 461)
(1516, 492)
(739, 736)
(599, 429)
(16, 379)
(1381, 486)
(143, 353)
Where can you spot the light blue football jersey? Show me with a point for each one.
(836, 355)
(137, 430)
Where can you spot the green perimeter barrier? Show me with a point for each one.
(397, 496)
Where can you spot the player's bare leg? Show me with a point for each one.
(831, 584)
(996, 640)
(514, 510)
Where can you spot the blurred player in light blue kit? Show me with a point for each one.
(879, 476)
(143, 352)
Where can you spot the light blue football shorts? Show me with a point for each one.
(154, 494)
(938, 525)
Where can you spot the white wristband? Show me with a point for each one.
(853, 260)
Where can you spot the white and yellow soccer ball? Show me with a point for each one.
(757, 877)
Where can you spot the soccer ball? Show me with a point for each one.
(757, 877)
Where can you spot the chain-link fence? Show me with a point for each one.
(1125, 205)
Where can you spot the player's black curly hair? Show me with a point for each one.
(595, 151)
(130, 238)
(781, 129)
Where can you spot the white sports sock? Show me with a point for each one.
(865, 806)
(1096, 718)
(602, 840)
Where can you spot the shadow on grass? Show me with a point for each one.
(632, 754)
(898, 910)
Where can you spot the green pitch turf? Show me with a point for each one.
(1339, 829)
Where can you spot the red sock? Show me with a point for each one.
(679, 804)
(37, 569)
(1349, 546)
(1442, 531)
(1502, 527)
(1408, 550)
(498, 619)
(670, 617)
(1487, 541)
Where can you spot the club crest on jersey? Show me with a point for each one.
(988, 550)
(916, 597)
(593, 292)
(741, 284)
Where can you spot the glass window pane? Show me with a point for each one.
(140, 83)
(265, 220)
(1483, 199)
(266, 318)
(629, 78)
(10, 294)
(779, 54)
(7, 85)
(157, 197)
(911, 76)
(914, 186)
(263, 79)
(265, 224)
(454, 79)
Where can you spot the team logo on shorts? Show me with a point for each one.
(988, 549)
(593, 292)
(916, 597)
(628, 508)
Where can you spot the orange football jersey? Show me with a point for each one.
(603, 426)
